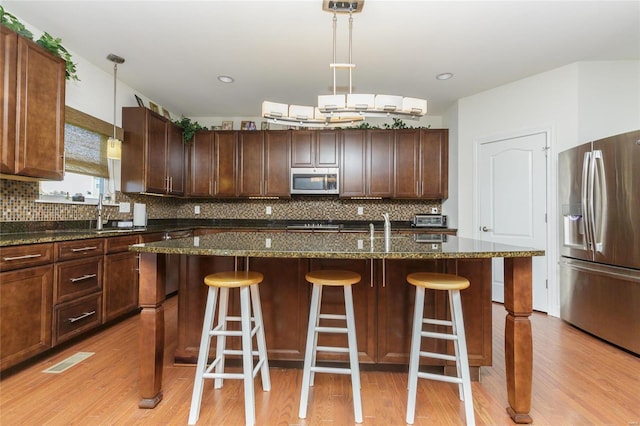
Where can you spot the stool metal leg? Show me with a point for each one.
(221, 340)
(309, 355)
(262, 345)
(414, 358)
(205, 342)
(463, 360)
(353, 354)
(247, 357)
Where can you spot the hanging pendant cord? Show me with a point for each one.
(115, 79)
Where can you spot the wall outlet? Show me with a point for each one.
(196, 209)
(360, 211)
(268, 211)
(434, 210)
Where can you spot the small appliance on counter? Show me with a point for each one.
(139, 215)
(427, 220)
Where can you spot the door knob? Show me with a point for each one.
(485, 229)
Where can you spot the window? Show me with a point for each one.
(87, 169)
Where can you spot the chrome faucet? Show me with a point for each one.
(99, 221)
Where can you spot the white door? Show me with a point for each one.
(512, 204)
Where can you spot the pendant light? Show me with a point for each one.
(114, 145)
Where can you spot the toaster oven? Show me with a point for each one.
(426, 220)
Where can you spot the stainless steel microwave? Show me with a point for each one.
(314, 181)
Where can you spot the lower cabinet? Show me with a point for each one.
(383, 305)
(120, 295)
(25, 313)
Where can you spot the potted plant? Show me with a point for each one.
(189, 128)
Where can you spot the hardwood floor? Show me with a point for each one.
(578, 380)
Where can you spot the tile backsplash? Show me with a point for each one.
(17, 203)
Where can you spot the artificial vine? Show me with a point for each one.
(189, 128)
(53, 45)
(397, 124)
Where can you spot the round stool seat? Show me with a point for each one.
(233, 279)
(333, 277)
(437, 281)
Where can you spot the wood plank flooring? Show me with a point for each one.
(578, 380)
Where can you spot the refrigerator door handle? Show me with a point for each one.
(586, 214)
(598, 220)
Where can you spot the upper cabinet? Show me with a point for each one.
(315, 148)
(212, 164)
(421, 164)
(32, 109)
(366, 167)
(153, 154)
(264, 163)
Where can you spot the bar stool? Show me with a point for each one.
(247, 282)
(452, 284)
(331, 278)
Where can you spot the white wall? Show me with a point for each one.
(576, 103)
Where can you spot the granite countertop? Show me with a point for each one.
(332, 245)
(32, 234)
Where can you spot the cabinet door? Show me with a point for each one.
(250, 163)
(380, 161)
(225, 164)
(407, 166)
(276, 163)
(9, 55)
(327, 148)
(25, 313)
(302, 149)
(175, 159)
(156, 145)
(353, 164)
(364, 302)
(434, 156)
(40, 112)
(396, 300)
(120, 294)
(200, 171)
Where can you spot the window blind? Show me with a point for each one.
(85, 151)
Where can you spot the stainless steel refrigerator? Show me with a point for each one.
(599, 197)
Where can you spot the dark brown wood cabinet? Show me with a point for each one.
(26, 292)
(32, 109)
(153, 153)
(263, 163)
(120, 294)
(212, 164)
(315, 148)
(367, 164)
(421, 163)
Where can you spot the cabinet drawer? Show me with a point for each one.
(79, 249)
(76, 278)
(120, 244)
(73, 318)
(25, 256)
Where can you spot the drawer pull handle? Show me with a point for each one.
(84, 277)
(86, 314)
(83, 249)
(26, 256)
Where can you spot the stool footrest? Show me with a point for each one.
(332, 316)
(442, 336)
(437, 322)
(439, 377)
(333, 370)
(334, 349)
(238, 352)
(335, 330)
(437, 356)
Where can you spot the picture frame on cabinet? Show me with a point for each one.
(166, 113)
(139, 100)
(264, 125)
(153, 107)
(227, 125)
(248, 125)
(216, 127)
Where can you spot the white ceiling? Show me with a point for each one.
(280, 50)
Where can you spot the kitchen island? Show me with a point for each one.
(240, 247)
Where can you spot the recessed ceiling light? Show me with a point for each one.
(444, 76)
(225, 79)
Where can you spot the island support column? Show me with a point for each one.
(518, 340)
(151, 329)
